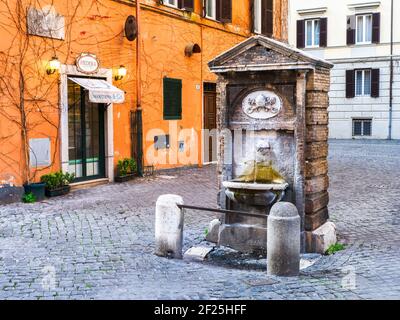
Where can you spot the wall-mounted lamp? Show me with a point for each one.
(53, 66)
(121, 73)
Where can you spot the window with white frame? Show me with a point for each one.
(362, 127)
(171, 3)
(363, 82)
(211, 9)
(364, 29)
(312, 33)
(257, 16)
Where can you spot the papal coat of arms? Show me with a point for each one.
(262, 104)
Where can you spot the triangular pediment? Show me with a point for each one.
(262, 53)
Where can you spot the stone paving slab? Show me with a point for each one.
(98, 243)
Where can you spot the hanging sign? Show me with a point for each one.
(87, 63)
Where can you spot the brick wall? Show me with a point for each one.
(316, 168)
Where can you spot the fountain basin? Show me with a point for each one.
(255, 194)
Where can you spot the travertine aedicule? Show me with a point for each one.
(273, 141)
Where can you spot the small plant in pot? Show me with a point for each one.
(57, 184)
(34, 192)
(126, 170)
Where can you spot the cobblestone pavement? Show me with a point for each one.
(98, 243)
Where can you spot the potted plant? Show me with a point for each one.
(36, 190)
(57, 184)
(126, 170)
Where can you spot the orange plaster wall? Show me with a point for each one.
(97, 27)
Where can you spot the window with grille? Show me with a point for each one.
(362, 127)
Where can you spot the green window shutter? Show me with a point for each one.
(172, 99)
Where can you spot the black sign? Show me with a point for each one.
(131, 28)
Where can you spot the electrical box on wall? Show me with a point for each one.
(39, 152)
(181, 146)
(161, 142)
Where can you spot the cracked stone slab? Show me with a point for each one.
(199, 253)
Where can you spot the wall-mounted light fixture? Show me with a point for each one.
(53, 66)
(121, 73)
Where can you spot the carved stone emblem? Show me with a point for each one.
(262, 104)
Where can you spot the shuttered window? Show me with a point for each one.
(262, 17)
(362, 82)
(224, 10)
(363, 29)
(187, 5)
(220, 10)
(312, 33)
(210, 9)
(172, 99)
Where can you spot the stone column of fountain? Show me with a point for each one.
(272, 122)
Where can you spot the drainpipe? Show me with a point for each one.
(391, 76)
(139, 121)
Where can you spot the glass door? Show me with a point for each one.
(86, 135)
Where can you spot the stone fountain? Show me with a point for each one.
(272, 142)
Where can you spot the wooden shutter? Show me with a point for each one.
(203, 11)
(350, 83)
(323, 32)
(301, 26)
(376, 27)
(188, 5)
(172, 99)
(224, 10)
(375, 76)
(267, 16)
(252, 13)
(351, 30)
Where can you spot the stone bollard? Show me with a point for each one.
(283, 240)
(169, 226)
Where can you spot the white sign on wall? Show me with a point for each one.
(87, 63)
(39, 152)
(262, 104)
(46, 22)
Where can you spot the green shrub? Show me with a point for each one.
(29, 198)
(335, 248)
(126, 166)
(57, 180)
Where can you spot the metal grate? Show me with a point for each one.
(148, 171)
(362, 127)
